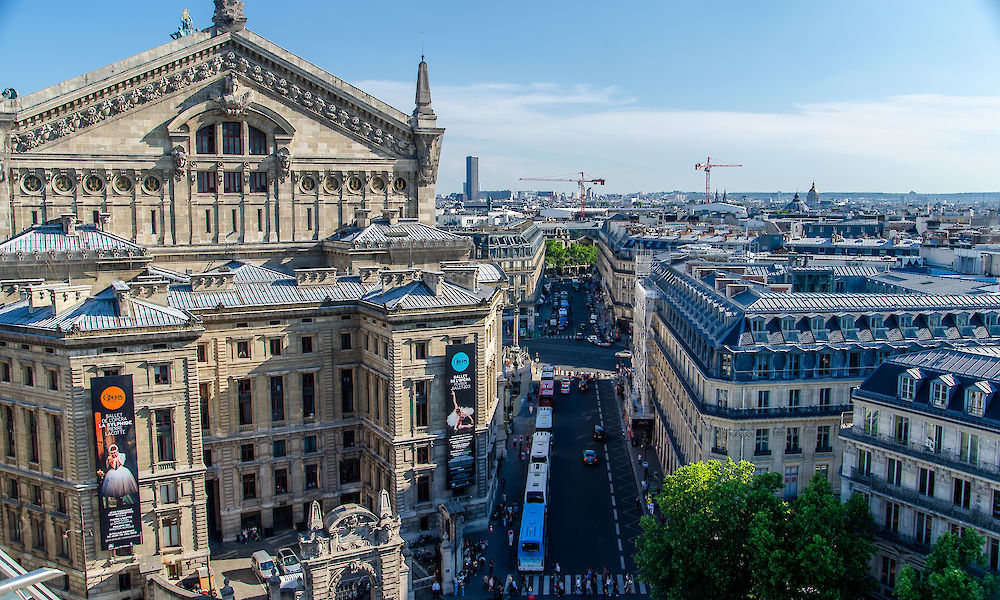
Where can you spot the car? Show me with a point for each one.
(583, 387)
(589, 457)
(599, 434)
(579, 335)
(564, 386)
(592, 339)
(288, 563)
(262, 565)
(603, 343)
(624, 354)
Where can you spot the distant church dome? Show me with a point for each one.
(797, 205)
(812, 198)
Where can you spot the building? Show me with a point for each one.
(199, 218)
(741, 364)
(924, 450)
(472, 179)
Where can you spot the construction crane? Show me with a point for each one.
(707, 167)
(581, 180)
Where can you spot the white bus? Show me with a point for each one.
(540, 443)
(548, 372)
(543, 421)
(536, 488)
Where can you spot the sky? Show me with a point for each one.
(858, 96)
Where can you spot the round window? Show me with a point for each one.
(399, 185)
(31, 184)
(308, 184)
(122, 184)
(94, 184)
(151, 185)
(378, 184)
(62, 184)
(354, 184)
(331, 184)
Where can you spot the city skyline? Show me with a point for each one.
(794, 93)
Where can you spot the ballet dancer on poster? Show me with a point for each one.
(460, 418)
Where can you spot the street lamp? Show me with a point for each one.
(84, 533)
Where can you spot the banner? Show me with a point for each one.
(117, 466)
(461, 392)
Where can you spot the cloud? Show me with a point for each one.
(928, 142)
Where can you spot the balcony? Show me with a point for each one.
(762, 452)
(946, 458)
(938, 505)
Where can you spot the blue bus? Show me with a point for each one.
(531, 542)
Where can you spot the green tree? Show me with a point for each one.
(947, 575)
(555, 254)
(819, 549)
(701, 550)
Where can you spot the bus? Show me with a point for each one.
(543, 421)
(531, 541)
(540, 445)
(546, 392)
(548, 372)
(536, 488)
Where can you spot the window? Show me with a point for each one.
(28, 376)
(423, 489)
(13, 526)
(901, 429)
(871, 421)
(792, 441)
(243, 349)
(244, 397)
(161, 374)
(234, 219)
(277, 384)
(8, 417)
(720, 440)
(891, 522)
(36, 495)
(791, 482)
(206, 181)
(823, 439)
(350, 470)
(726, 365)
(345, 341)
(762, 366)
(232, 138)
(864, 462)
(5, 371)
(205, 140)
(423, 455)
(308, 395)
(894, 471)
(823, 366)
(32, 437)
(278, 448)
(823, 471)
(207, 457)
(309, 219)
(969, 448)
(152, 222)
(246, 452)
(307, 344)
(124, 582)
(722, 398)
(794, 398)
(312, 476)
(420, 403)
(208, 221)
(204, 394)
(168, 493)
(825, 396)
(38, 533)
(309, 444)
(925, 482)
(280, 481)
(55, 429)
(203, 353)
(53, 377)
(923, 528)
(258, 185)
(249, 486)
(420, 350)
(888, 572)
(260, 219)
(854, 364)
(348, 438)
(939, 394)
(347, 390)
(962, 492)
(907, 388)
(275, 346)
(794, 365)
(935, 435)
(232, 182)
(171, 531)
(164, 420)
(976, 402)
(258, 141)
(763, 399)
(762, 444)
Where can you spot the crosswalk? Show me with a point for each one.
(544, 585)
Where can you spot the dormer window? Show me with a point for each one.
(817, 323)
(941, 391)
(876, 321)
(788, 323)
(975, 398)
(990, 319)
(755, 325)
(934, 320)
(847, 322)
(906, 320)
(907, 388)
(962, 320)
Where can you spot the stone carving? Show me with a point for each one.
(187, 26)
(284, 163)
(233, 99)
(180, 161)
(428, 154)
(229, 15)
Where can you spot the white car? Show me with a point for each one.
(592, 339)
(288, 563)
(263, 565)
(623, 354)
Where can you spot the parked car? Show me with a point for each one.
(599, 434)
(262, 565)
(624, 354)
(589, 457)
(288, 563)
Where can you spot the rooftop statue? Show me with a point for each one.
(187, 26)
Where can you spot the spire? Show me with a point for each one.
(423, 99)
(229, 16)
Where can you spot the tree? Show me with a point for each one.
(947, 575)
(818, 549)
(701, 550)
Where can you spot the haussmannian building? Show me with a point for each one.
(924, 450)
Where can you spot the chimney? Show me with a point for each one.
(123, 297)
(362, 218)
(391, 215)
(466, 276)
(433, 280)
(63, 296)
(68, 221)
(305, 277)
(369, 275)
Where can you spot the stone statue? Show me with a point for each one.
(284, 163)
(187, 26)
(315, 517)
(428, 154)
(180, 161)
(229, 16)
(233, 99)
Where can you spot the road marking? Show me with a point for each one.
(618, 532)
(619, 544)
(622, 559)
(612, 488)
(612, 501)
(614, 511)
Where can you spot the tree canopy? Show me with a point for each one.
(947, 575)
(576, 254)
(727, 534)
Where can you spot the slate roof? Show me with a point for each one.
(49, 237)
(775, 302)
(97, 313)
(380, 232)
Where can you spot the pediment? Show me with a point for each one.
(176, 67)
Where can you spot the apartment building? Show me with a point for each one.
(924, 450)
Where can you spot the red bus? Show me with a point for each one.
(547, 392)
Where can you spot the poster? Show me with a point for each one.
(117, 468)
(461, 392)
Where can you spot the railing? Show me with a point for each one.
(943, 507)
(948, 458)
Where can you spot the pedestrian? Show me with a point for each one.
(558, 570)
(491, 567)
(460, 584)
(645, 469)
(614, 588)
(436, 590)
(640, 458)
(628, 583)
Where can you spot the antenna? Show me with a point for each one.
(421, 46)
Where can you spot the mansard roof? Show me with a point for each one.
(52, 237)
(101, 312)
(382, 232)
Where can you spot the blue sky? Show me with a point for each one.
(858, 96)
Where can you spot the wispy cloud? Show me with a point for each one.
(929, 142)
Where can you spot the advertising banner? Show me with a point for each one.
(117, 466)
(461, 392)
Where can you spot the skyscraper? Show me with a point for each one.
(472, 178)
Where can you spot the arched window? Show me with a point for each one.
(258, 141)
(205, 140)
(232, 138)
